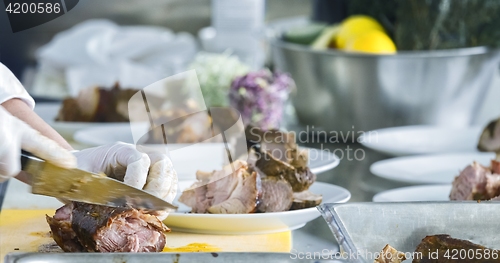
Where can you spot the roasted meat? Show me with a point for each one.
(97, 104)
(226, 191)
(80, 227)
(476, 182)
(299, 178)
(280, 144)
(433, 249)
(390, 255)
(489, 141)
(276, 195)
(305, 199)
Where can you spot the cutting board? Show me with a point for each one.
(23, 230)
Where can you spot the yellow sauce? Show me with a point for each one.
(193, 247)
(40, 234)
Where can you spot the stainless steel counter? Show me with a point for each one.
(354, 175)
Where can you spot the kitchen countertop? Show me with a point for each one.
(352, 174)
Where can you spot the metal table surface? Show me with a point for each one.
(353, 174)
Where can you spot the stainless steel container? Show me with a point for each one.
(341, 91)
(363, 229)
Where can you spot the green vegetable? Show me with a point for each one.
(304, 35)
(215, 73)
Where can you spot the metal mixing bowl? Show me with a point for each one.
(341, 92)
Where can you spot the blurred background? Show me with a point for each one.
(421, 76)
(334, 90)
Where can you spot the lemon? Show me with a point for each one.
(354, 26)
(372, 42)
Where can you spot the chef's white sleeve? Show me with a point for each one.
(11, 88)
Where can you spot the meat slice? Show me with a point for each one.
(492, 185)
(305, 199)
(97, 104)
(433, 249)
(470, 184)
(495, 166)
(489, 141)
(280, 144)
(231, 190)
(299, 178)
(80, 227)
(62, 231)
(390, 255)
(276, 195)
(476, 182)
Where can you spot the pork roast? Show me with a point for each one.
(224, 191)
(476, 182)
(439, 248)
(276, 195)
(299, 178)
(80, 227)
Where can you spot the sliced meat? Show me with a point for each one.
(433, 248)
(274, 141)
(280, 144)
(96, 104)
(390, 255)
(299, 158)
(62, 232)
(231, 190)
(305, 199)
(470, 184)
(300, 179)
(489, 141)
(277, 195)
(234, 194)
(96, 228)
(492, 185)
(495, 166)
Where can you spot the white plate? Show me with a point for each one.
(428, 169)
(48, 112)
(421, 193)
(259, 223)
(319, 160)
(411, 140)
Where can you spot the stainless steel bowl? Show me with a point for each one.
(341, 92)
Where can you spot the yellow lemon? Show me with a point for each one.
(354, 26)
(372, 42)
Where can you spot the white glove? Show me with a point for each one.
(152, 171)
(16, 135)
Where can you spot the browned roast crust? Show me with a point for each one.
(62, 233)
(305, 199)
(443, 244)
(80, 227)
(300, 179)
(97, 104)
(89, 220)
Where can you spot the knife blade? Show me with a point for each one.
(82, 186)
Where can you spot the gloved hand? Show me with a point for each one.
(16, 135)
(152, 171)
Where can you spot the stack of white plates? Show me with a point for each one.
(430, 156)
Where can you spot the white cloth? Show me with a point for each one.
(99, 52)
(11, 88)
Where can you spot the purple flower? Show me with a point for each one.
(260, 97)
